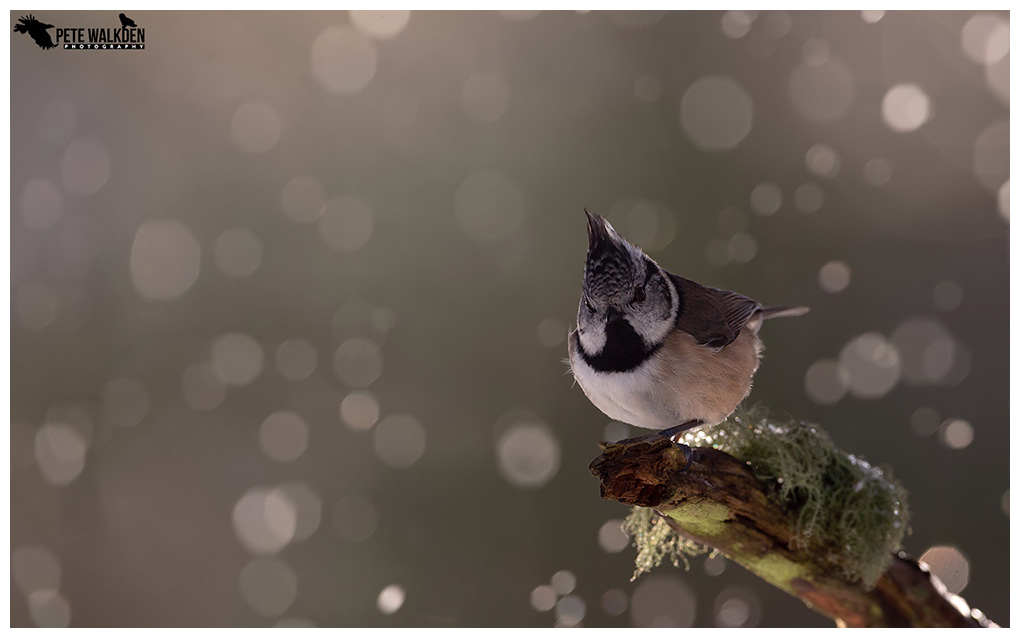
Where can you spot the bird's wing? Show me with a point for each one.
(42, 38)
(713, 317)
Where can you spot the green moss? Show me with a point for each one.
(702, 519)
(857, 512)
(776, 569)
(853, 513)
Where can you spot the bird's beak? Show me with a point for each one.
(597, 232)
(612, 314)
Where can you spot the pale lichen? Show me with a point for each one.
(655, 540)
(854, 514)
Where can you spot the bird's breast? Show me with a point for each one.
(679, 382)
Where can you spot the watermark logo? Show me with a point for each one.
(36, 29)
(128, 37)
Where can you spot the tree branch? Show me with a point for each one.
(713, 499)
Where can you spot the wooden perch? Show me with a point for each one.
(713, 499)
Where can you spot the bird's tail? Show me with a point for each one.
(783, 311)
(21, 28)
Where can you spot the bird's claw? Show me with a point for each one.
(685, 450)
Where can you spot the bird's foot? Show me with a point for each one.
(673, 434)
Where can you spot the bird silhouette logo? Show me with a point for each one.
(126, 21)
(37, 30)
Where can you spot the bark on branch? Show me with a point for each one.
(713, 499)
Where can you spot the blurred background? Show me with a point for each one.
(290, 295)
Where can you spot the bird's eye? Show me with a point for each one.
(587, 304)
(639, 294)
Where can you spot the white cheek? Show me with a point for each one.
(651, 329)
(592, 339)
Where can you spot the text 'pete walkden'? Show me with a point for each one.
(83, 38)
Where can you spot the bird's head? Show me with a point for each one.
(622, 290)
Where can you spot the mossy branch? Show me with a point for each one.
(739, 508)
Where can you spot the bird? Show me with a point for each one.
(656, 350)
(126, 21)
(36, 29)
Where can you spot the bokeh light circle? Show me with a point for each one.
(834, 276)
(485, 97)
(614, 602)
(359, 410)
(824, 382)
(647, 88)
(930, 353)
(34, 567)
(59, 453)
(238, 252)
(265, 520)
(529, 454)
(202, 387)
(949, 565)
(283, 436)
(877, 171)
(165, 260)
(346, 224)
(42, 204)
(399, 440)
(343, 60)
(957, 434)
(563, 582)
(256, 127)
(737, 607)
(736, 24)
(822, 92)
(766, 198)
(822, 160)
(808, 198)
(268, 585)
(307, 506)
(303, 199)
(237, 358)
(905, 108)
(991, 155)
(543, 598)
(663, 601)
(716, 113)
(570, 611)
(391, 599)
(551, 332)
(86, 166)
(985, 38)
(358, 362)
(871, 365)
(296, 359)
(381, 25)
(49, 608)
(612, 538)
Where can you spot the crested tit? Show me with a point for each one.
(656, 350)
